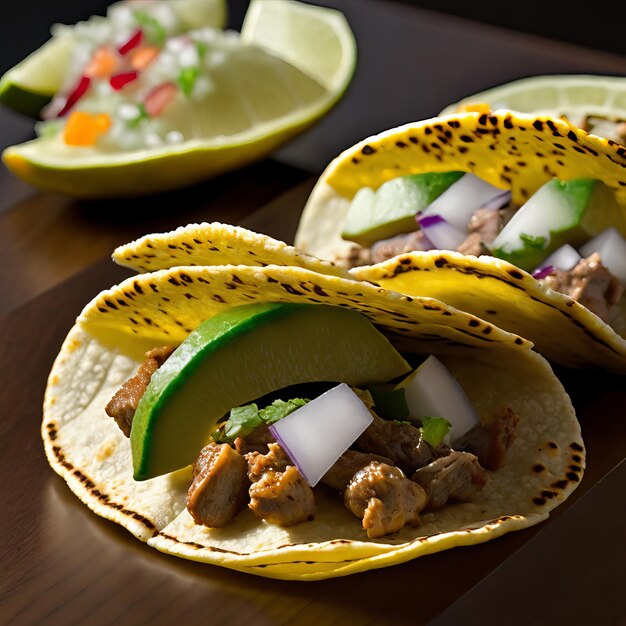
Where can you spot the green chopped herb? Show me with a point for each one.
(534, 241)
(49, 128)
(201, 48)
(153, 29)
(434, 429)
(141, 116)
(244, 419)
(279, 409)
(389, 403)
(187, 79)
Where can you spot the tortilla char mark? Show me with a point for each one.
(511, 151)
(69, 471)
(505, 274)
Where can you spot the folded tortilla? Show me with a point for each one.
(511, 151)
(497, 369)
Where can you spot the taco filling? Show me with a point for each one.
(386, 470)
(557, 234)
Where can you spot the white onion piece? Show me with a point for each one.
(317, 434)
(564, 258)
(611, 247)
(443, 235)
(461, 200)
(431, 391)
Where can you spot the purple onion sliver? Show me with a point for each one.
(498, 201)
(281, 442)
(430, 220)
(542, 272)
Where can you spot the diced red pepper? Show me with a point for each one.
(157, 99)
(119, 81)
(75, 95)
(135, 39)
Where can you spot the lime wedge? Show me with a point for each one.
(259, 101)
(30, 85)
(317, 41)
(574, 96)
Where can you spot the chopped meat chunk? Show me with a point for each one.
(384, 499)
(406, 242)
(347, 465)
(483, 227)
(275, 460)
(489, 440)
(611, 128)
(590, 283)
(256, 441)
(402, 443)
(457, 477)
(279, 493)
(219, 485)
(355, 257)
(123, 404)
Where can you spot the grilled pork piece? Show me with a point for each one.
(457, 477)
(123, 404)
(384, 499)
(483, 228)
(219, 485)
(278, 492)
(590, 283)
(402, 443)
(406, 242)
(256, 441)
(347, 465)
(490, 440)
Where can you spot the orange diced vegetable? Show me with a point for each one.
(104, 62)
(142, 57)
(83, 129)
(475, 107)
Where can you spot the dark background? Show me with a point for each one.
(25, 24)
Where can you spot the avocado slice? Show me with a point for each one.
(244, 353)
(391, 210)
(559, 213)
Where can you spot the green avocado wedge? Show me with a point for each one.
(242, 354)
(391, 210)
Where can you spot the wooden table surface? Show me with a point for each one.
(63, 565)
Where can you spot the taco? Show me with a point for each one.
(522, 410)
(537, 206)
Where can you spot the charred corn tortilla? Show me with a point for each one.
(215, 244)
(497, 369)
(511, 151)
(489, 288)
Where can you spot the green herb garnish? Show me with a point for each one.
(534, 241)
(389, 403)
(153, 29)
(244, 419)
(434, 429)
(187, 79)
(141, 116)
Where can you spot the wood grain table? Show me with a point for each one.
(63, 565)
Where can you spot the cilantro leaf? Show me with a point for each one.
(434, 429)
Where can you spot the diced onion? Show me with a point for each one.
(611, 247)
(443, 235)
(544, 271)
(431, 391)
(462, 199)
(564, 258)
(317, 434)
